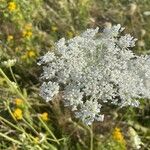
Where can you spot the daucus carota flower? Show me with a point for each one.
(9, 63)
(95, 68)
(49, 90)
(134, 138)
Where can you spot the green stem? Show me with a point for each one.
(91, 136)
(9, 139)
(12, 125)
(39, 147)
(12, 74)
(9, 110)
(9, 123)
(90, 129)
(16, 90)
(55, 140)
(50, 132)
(31, 127)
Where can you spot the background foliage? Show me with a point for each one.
(28, 30)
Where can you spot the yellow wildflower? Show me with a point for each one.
(28, 26)
(12, 6)
(18, 101)
(9, 38)
(26, 34)
(31, 53)
(36, 140)
(18, 114)
(44, 116)
(54, 28)
(117, 135)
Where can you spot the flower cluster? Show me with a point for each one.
(95, 68)
(18, 114)
(9, 63)
(27, 31)
(118, 136)
(18, 101)
(12, 6)
(44, 116)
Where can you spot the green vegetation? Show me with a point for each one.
(28, 30)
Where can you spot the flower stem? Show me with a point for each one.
(50, 132)
(11, 85)
(10, 139)
(91, 137)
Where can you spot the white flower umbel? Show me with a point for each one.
(95, 68)
(9, 63)
(49, 90)
(89, 112)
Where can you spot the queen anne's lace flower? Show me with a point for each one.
(89, 112)
(95, 68)
(49, 90)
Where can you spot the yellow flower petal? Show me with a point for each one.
(117, 135)
(18, 114)
(12, 6)
(44, 116)
(26, 34)
(31, 53)
(18, 101)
